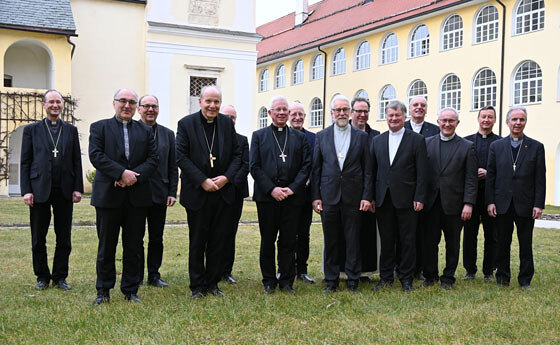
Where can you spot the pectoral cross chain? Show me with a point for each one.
(55, 152)
(212, 159)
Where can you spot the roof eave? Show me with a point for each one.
(39, 29)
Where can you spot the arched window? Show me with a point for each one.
(452, 33)
(339, 62)
(527, 84)
(484, 89)
(29, 64)
(361, 94)
(450, 93)
(420, 41)
(389, 49)
(417, 88)
(486, 24)
(280, 77)
(317, 67)
(363, 56)
(316, 111)
(386, 95)
(263, 81)
(529, 16)
(297, 77)
(263, 117)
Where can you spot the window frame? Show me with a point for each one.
(488, 26)
(528, 17)
(382, 102)
(458, 92)
(317, 68)
(537, 80)
(477, 91)
(454, 37)
(389, 51)
(362, 61)
(315, 114)
(298, 74)
(280, 78)
(339, 64)
(415, 42)
(262, 121)
(263, 82)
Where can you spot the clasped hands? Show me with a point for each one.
(281, 193)
(215, 183)
(365, 205)
(128, 178)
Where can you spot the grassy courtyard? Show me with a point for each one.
(472, 313)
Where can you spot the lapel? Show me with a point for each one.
(132, 138)
(65, 136)
(330, 144)
(385, 147)
(117, 133)
(455, 142)
(400, 149)
(523, 152)
(437, 155)
(45, 137)
(199, 130)
(220, 122)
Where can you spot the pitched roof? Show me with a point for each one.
(53, 16)
(334, 20)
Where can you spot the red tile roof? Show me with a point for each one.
(332, 20)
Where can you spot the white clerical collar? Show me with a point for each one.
(399, 132)
(516, 139)
(444, 138)
(124, 122)
(342, 128)
(416, 127)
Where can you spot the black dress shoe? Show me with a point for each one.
(502, 283)
(428, 282)
(132, 297)
(407, 286)
(157, 282)
(489, 278)
(288, 289)
(41, 285)
(419, 276)
(446, 286)
(216, 291)
(63, 285)
(330, 288)
(101, 299)
(268, 289)
(305, 278)
(469, 276)
(525, 287)
(229, 279)
(353, 288)
(366, 279)
(198, 293)
(383, 284)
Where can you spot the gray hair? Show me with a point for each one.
(294, 103)
(396, 105)
(204, 88)
(421, 97)
(337, 97)
(277, 98)
(512, 109)
(119, 90)
(448, 109)
(141, 98)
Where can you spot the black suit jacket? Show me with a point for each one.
(107, 154)
(406, 177)
(263, 162)
(353, 183)
(428, 129)
(192, 158)
(240, 179)
(36, 161)
(164, 180)
(456, 179)
(526, 186)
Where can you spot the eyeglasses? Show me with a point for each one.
(361, 111)
(338, 110)
(297, 114)
(279, 110)
(148, 106)
(450, 121)
(123, 101)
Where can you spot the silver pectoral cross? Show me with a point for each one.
(514, 166)
(55, 152)
(283, 156)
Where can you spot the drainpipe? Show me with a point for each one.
(72, 44)
(502, 66)
(324, 84)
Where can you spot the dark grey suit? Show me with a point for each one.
(515, 194)
(341, 192)
(451, 184)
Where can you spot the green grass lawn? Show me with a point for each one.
(472, 313)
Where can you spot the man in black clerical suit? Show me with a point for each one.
(123, 152)
(482, 140)
(241, 192)
(51, 176)
(399, 169)
(515, 192)
(209, 156)
(297, 118)
(164, 188)
(418, 107)
(368, 233)
(279, 163)
(452, 187)
(341, 188)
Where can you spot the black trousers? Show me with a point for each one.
(156, 223)
(40, 217)
(397, 230)
(451, 226)
(420, 234)
(303, 230)
(470, 239)
(229, 248)
(341, 222)
(278, 220)
(132, 220)
(207, 230)
(525, 227)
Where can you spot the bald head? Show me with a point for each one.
(297, 115)
(230, 112)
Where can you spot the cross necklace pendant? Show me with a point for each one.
(210, 146)
(55, 144)
(282, 149)
(514, 162)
